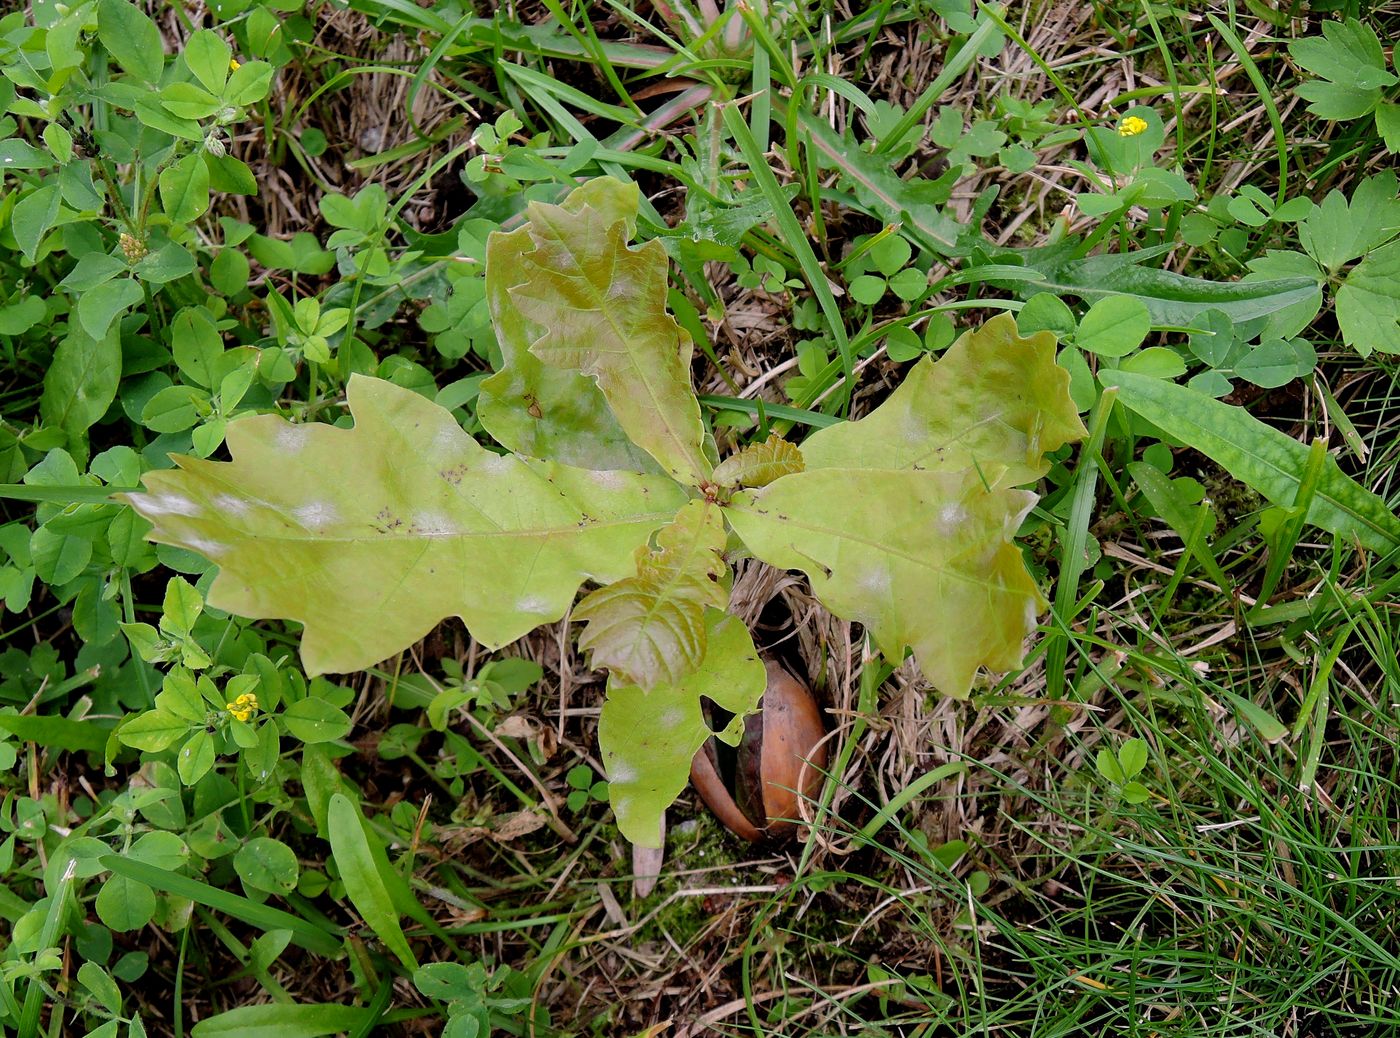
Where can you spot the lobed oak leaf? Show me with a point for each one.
(994, 400)
(930, 562)
(535, 409)
(370, 536)
(648, 738)
(599, 308)
(905, 520)
(649, 629)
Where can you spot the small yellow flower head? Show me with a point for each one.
(1131, 126)
(242, 708)
(233, 65)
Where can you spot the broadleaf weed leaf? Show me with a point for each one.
(1351, 65)
(1338, 231)
(1172, 299)
(1259, 456)
(1368, 302)
(81, 383)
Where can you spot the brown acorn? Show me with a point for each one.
(757, 796)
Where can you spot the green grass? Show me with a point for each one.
(1231, 902)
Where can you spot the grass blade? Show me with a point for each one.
(933, 229)
(1285, 538)
(782, 412)
(85, 494)
(48, 937)
(281, 1021)
(946, 77)
(1076, 540)
(1265, 98)
(795, 237)
(1183, 519)
(265, 917)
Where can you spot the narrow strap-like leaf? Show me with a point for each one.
(1260, 456)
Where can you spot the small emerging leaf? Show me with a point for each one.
(370, 536)
(647, 772)
(650, 628)
(759, 464)
(1132, 757)
(1107, 765)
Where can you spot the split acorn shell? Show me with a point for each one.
(781, 747)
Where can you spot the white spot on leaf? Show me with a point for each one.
(315, 515)
(166, 504)
(622, 773)
(292, 438)
(433, 524)
(232, 505)
(205, 546)
(533, 604)
(447, 440)
(951, 518)
(874, 581)
(671, 717)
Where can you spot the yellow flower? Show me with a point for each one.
(1131, 126)
(233, 65)
(242, 708)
